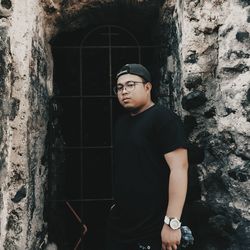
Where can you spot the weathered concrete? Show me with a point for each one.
(213, 51)
(25, 88)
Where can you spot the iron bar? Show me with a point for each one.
(80, 221)
(82, 200)
(86, 147)
(85, 96)
(107, 46)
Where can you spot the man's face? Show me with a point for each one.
(138, 97)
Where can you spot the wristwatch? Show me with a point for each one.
(173, 223)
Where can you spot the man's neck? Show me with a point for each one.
(138, 111)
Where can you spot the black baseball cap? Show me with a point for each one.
(135, 69)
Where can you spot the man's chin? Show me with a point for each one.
(127, 105)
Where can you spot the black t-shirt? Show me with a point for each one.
(140, 171)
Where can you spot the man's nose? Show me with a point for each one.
(124, 90)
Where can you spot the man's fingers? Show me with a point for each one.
(169, 247)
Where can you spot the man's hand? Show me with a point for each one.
(170, 238)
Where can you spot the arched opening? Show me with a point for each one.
(84, 110)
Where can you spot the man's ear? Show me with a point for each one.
(148, 86)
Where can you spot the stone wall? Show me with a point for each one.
(212, 95)
(205, 78)
(25, 87)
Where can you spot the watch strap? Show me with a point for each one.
(167, 220)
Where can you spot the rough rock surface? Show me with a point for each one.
(205, 78)
(25, 86)
(213, 58)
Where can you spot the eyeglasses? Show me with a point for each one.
(129, 86)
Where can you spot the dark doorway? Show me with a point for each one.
(84, 110)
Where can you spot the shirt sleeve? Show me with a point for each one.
(170, 133)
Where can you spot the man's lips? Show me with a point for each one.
(125, 99)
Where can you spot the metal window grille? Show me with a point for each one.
(84, 92)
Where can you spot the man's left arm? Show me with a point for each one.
(177, 161)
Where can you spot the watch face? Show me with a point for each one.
(175, 224)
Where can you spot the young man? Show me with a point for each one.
(150, 169)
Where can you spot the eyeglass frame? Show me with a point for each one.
(125, 85)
